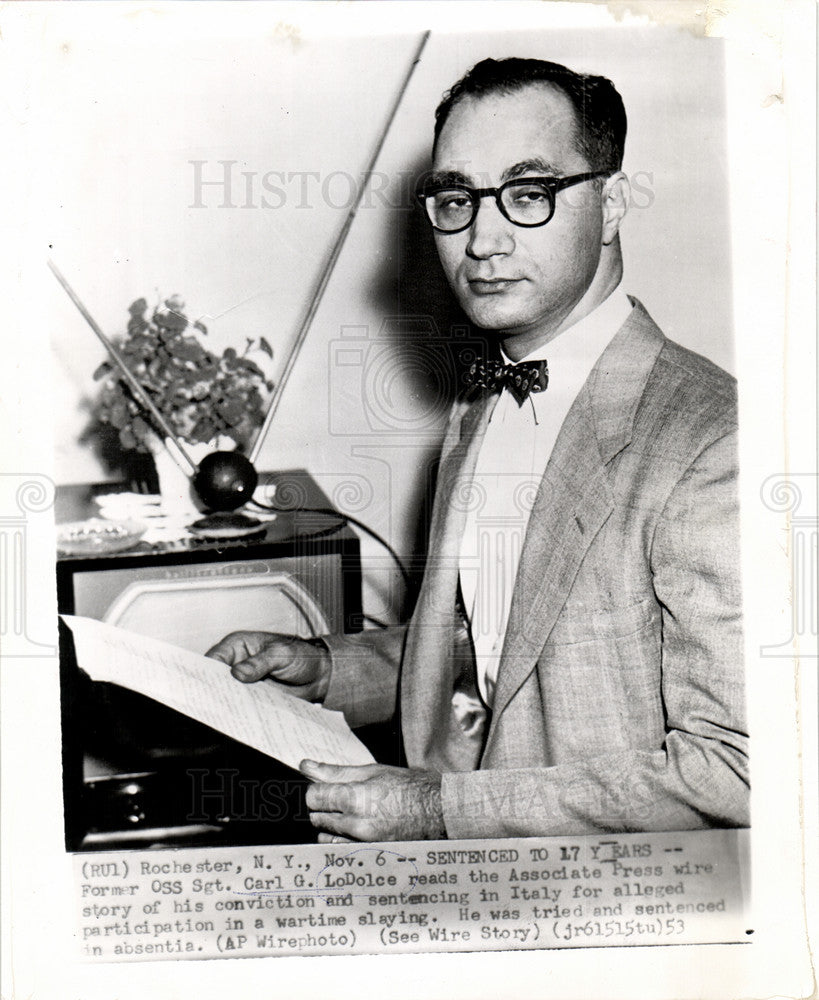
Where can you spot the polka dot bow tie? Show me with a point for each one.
(520, 379)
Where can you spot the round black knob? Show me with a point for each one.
(225, 480)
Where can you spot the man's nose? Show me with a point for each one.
(490, 233)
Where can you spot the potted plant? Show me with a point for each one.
(212, 402)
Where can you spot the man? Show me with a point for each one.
(591, 678)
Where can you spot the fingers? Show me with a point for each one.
(338, 789)
(342, 800)
(375, 802)
(334, 798)
(274, 660)
(254, 655)
(334, 773)
(333, 838)
(301, 665)
(237, 646)
(349, 828)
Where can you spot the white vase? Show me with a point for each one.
(175, 485)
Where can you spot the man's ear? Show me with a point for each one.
(616, 196)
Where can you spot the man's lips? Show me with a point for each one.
(491, 286)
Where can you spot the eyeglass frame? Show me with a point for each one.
(552, 184)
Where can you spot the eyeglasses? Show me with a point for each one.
(524, 201)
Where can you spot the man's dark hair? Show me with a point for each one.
(600, 133)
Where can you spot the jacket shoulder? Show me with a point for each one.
(686, 366)
(687, 396)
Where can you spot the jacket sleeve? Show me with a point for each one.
(364, 677)
(699, 778)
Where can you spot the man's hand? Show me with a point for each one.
(374, 802)
(304, 668)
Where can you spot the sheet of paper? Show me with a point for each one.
(262, 715)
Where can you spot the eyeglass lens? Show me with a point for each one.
(527, 203)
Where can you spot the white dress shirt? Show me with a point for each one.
(516, 448)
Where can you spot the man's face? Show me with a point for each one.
(521, 282)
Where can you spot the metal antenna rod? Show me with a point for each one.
(118, 360)
(331, 261)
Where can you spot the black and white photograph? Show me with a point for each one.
(425, 555)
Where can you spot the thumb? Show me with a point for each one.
(254, 668)
(273, 657)
(334, 773)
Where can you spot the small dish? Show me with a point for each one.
(96, 535)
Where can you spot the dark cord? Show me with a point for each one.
(345, 519)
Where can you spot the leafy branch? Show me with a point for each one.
(202, 395)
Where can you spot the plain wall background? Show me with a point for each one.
(362, 411)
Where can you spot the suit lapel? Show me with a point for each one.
(575, 497)
(452, 498)
(428, 678)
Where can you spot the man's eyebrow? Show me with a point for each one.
(536, 165)
(533, 166)
(446, 177)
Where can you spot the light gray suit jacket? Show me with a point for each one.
(619, 704)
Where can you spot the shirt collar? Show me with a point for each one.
(584, 341)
